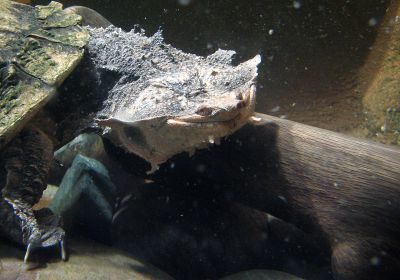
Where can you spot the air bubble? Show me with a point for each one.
(184, 2)
(296, 4)
(372, 22)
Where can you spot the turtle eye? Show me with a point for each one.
(204, 111)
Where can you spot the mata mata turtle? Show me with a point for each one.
(159, 101)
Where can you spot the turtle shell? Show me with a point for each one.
(39, 47)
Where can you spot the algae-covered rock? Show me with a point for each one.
(87, 144)
(382, 97)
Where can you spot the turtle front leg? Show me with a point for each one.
(31, 228)
(26, 164)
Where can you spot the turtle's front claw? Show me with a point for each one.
(63, 251)
(28, 252)
(50, 237)
(46, 233)
(34, 241)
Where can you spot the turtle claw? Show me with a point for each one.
(28, 252)
(43, 231)
(50, 237)
(63, 251)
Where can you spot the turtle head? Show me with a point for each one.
(185, 110)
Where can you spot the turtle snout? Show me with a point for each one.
(224, 107)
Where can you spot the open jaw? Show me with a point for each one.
(157, 140)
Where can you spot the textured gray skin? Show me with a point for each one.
(166, 101)
(158, 80)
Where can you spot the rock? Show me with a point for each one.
(85, 199)
(87, 144)
(379, 80)
(47, 197)
(87, 260)
(261, 275)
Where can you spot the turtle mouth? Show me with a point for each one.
(239, 113)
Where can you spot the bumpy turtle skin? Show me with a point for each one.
(25, 163)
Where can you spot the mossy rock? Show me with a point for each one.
(382, 97)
